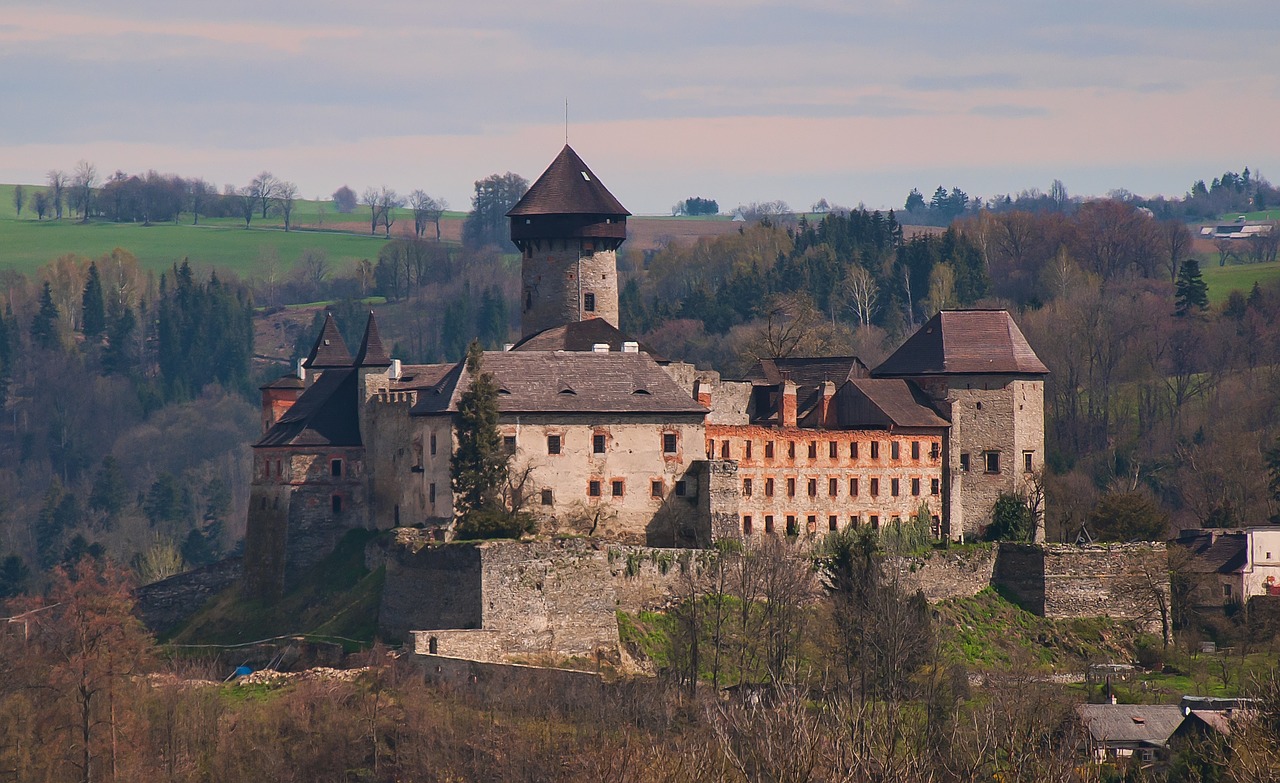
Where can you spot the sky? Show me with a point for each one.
(854, 101)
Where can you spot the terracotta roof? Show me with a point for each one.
(289, 381)
(330, 350)
(325, 415)
(884, 402)
(807, 371)
(567, 382)
(579, 336)
(1130, 724)
(965, 342)
(568, 187)
(371, 353)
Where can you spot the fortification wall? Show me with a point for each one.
(166, 604)
(947, 574)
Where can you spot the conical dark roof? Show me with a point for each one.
(371, 353)
(964, 342)
(568, 187)
(330, 350)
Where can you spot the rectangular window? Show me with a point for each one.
(875, 487)
(813, 488)
(589, 302)
(748, 449)
(768, 487)
(711, 448)
(875, 449)
(895, 450)
(553, 444)
(1026, 462)
(915, 449)
(791, 487)
(433, 444)
(597, 444)
(768, 523)
(811, 523)
(509, 443)
(964, 462)
(746, 525)
(875, 522)
(853, 487)
(915, 486)
(337, 504)
(935, 451)
(548, 497)
(853, 521)
(1226, 589)
(768, 449)
(681, 489)
(833, 487)
(669, 443)
(893, 487)
(853, 451)
(993, 461)
(724, 450)
(833, 522)
(833, 450)
(746, 488)
(935, 486)
(813, 449)
(655, 489)
(593, 489)
(791, 450)
(335, 468)
(616, 487)
(431, 493)
(793, 529)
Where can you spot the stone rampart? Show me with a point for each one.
(164, 605)
(960, 573)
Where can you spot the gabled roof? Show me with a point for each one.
(964, 342)
(884, 402)
(579, 336)
(807, 371)
(1215, 552)
(326, 414)
(567, 382)
(568, 187)
(371, 353)
(330, 350)
(1130, 724)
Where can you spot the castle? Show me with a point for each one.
(611, 441)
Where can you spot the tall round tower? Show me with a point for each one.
(568, 228)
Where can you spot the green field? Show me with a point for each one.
(1222, 280)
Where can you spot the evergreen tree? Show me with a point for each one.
(118, 357)
(1190, 290)
(13, 576)
(110, 492)
(93, 314)
(44, 327)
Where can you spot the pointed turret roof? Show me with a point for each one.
(371, 353)
(330, 350)
(568, 187)
(963, 342)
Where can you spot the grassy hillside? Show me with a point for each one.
(1222, 280)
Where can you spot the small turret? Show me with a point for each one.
(329, 353)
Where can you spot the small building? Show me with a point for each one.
(1230, 566)
(1125, 731)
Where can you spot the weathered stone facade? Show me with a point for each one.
(568, 280)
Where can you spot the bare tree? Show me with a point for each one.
(40, 203)
(247, 201)
(1177, 244)
(82, 184)
(265, 188)
(57, 186)
(372, 198)
(426, 210)
(199, 193)
(286, 193)
(790, 321)
(388, 202)
(19, 198)
(863, 294)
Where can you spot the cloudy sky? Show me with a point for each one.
(849, 100)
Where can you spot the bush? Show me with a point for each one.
(1011, 519)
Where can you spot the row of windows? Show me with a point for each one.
(599, 441)
(833, 449)
(991, 461)
(792, 523)
(335, 468)
(617, 488)
(833, 487)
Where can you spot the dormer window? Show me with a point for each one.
(585, 176)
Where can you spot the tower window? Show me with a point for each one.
(768, 449)
(833, 450)
(655, 489)
(813, 488)
(597, 443)
(528, 298)
(833, 522)
(337, 504)
(964, 462)
(615, 487)
(915, 449)
(768, 487)
(335, 468)
(509, 443)
(875, 449)
(915, 486)
(893, 487)
(853, 451)
(791, 487)
(853, 487)
(593, 489)
(669, 443)
(895, 450)
(935, 486)
(746, 487)
(553, 444)
(1026, 462)
(813, 449)
(433, 444)
(548, 497)
(589, 302)
(993, 461)
(833, 487)
(431, 493)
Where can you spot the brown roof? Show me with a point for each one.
(567, 382)
(289, 381)
(1215, 552)
(330, 350)
(421, 376)
(325, 415)
(884, 402)
(568, 187)
(579, 336)
(808, 370)
(371, 353)
(965, 342)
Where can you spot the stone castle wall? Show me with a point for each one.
(557, 281)
(961, 573)
(164, 605)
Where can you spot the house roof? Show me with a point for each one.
(1215, 552)
(289, 381)
(566, 382)
(567, 187)
(371, 353)
(964, 342)
(807, 371)
(1130, 724)
(885, 402)
(579, 336)
(330, 350)
(421, 376)
(326, 414)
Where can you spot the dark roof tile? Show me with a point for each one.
(568, 187)
(371, 353)
(579, 336)
(330, 350)
(884, 402)
(327, 414)
(964, 342)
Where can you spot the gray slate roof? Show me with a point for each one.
(964, 342)
(567, 187)
(325, 415)
(1130, 724)
(371, 353)
(578, 336)
(567, 382)
(330, 350)
(885, 402)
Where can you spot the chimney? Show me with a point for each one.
(631, 347)
(394, 374)
(600, 348)
(300, 371)
(508, 346)
(787, 405)
(702, 392)
(828, 394)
